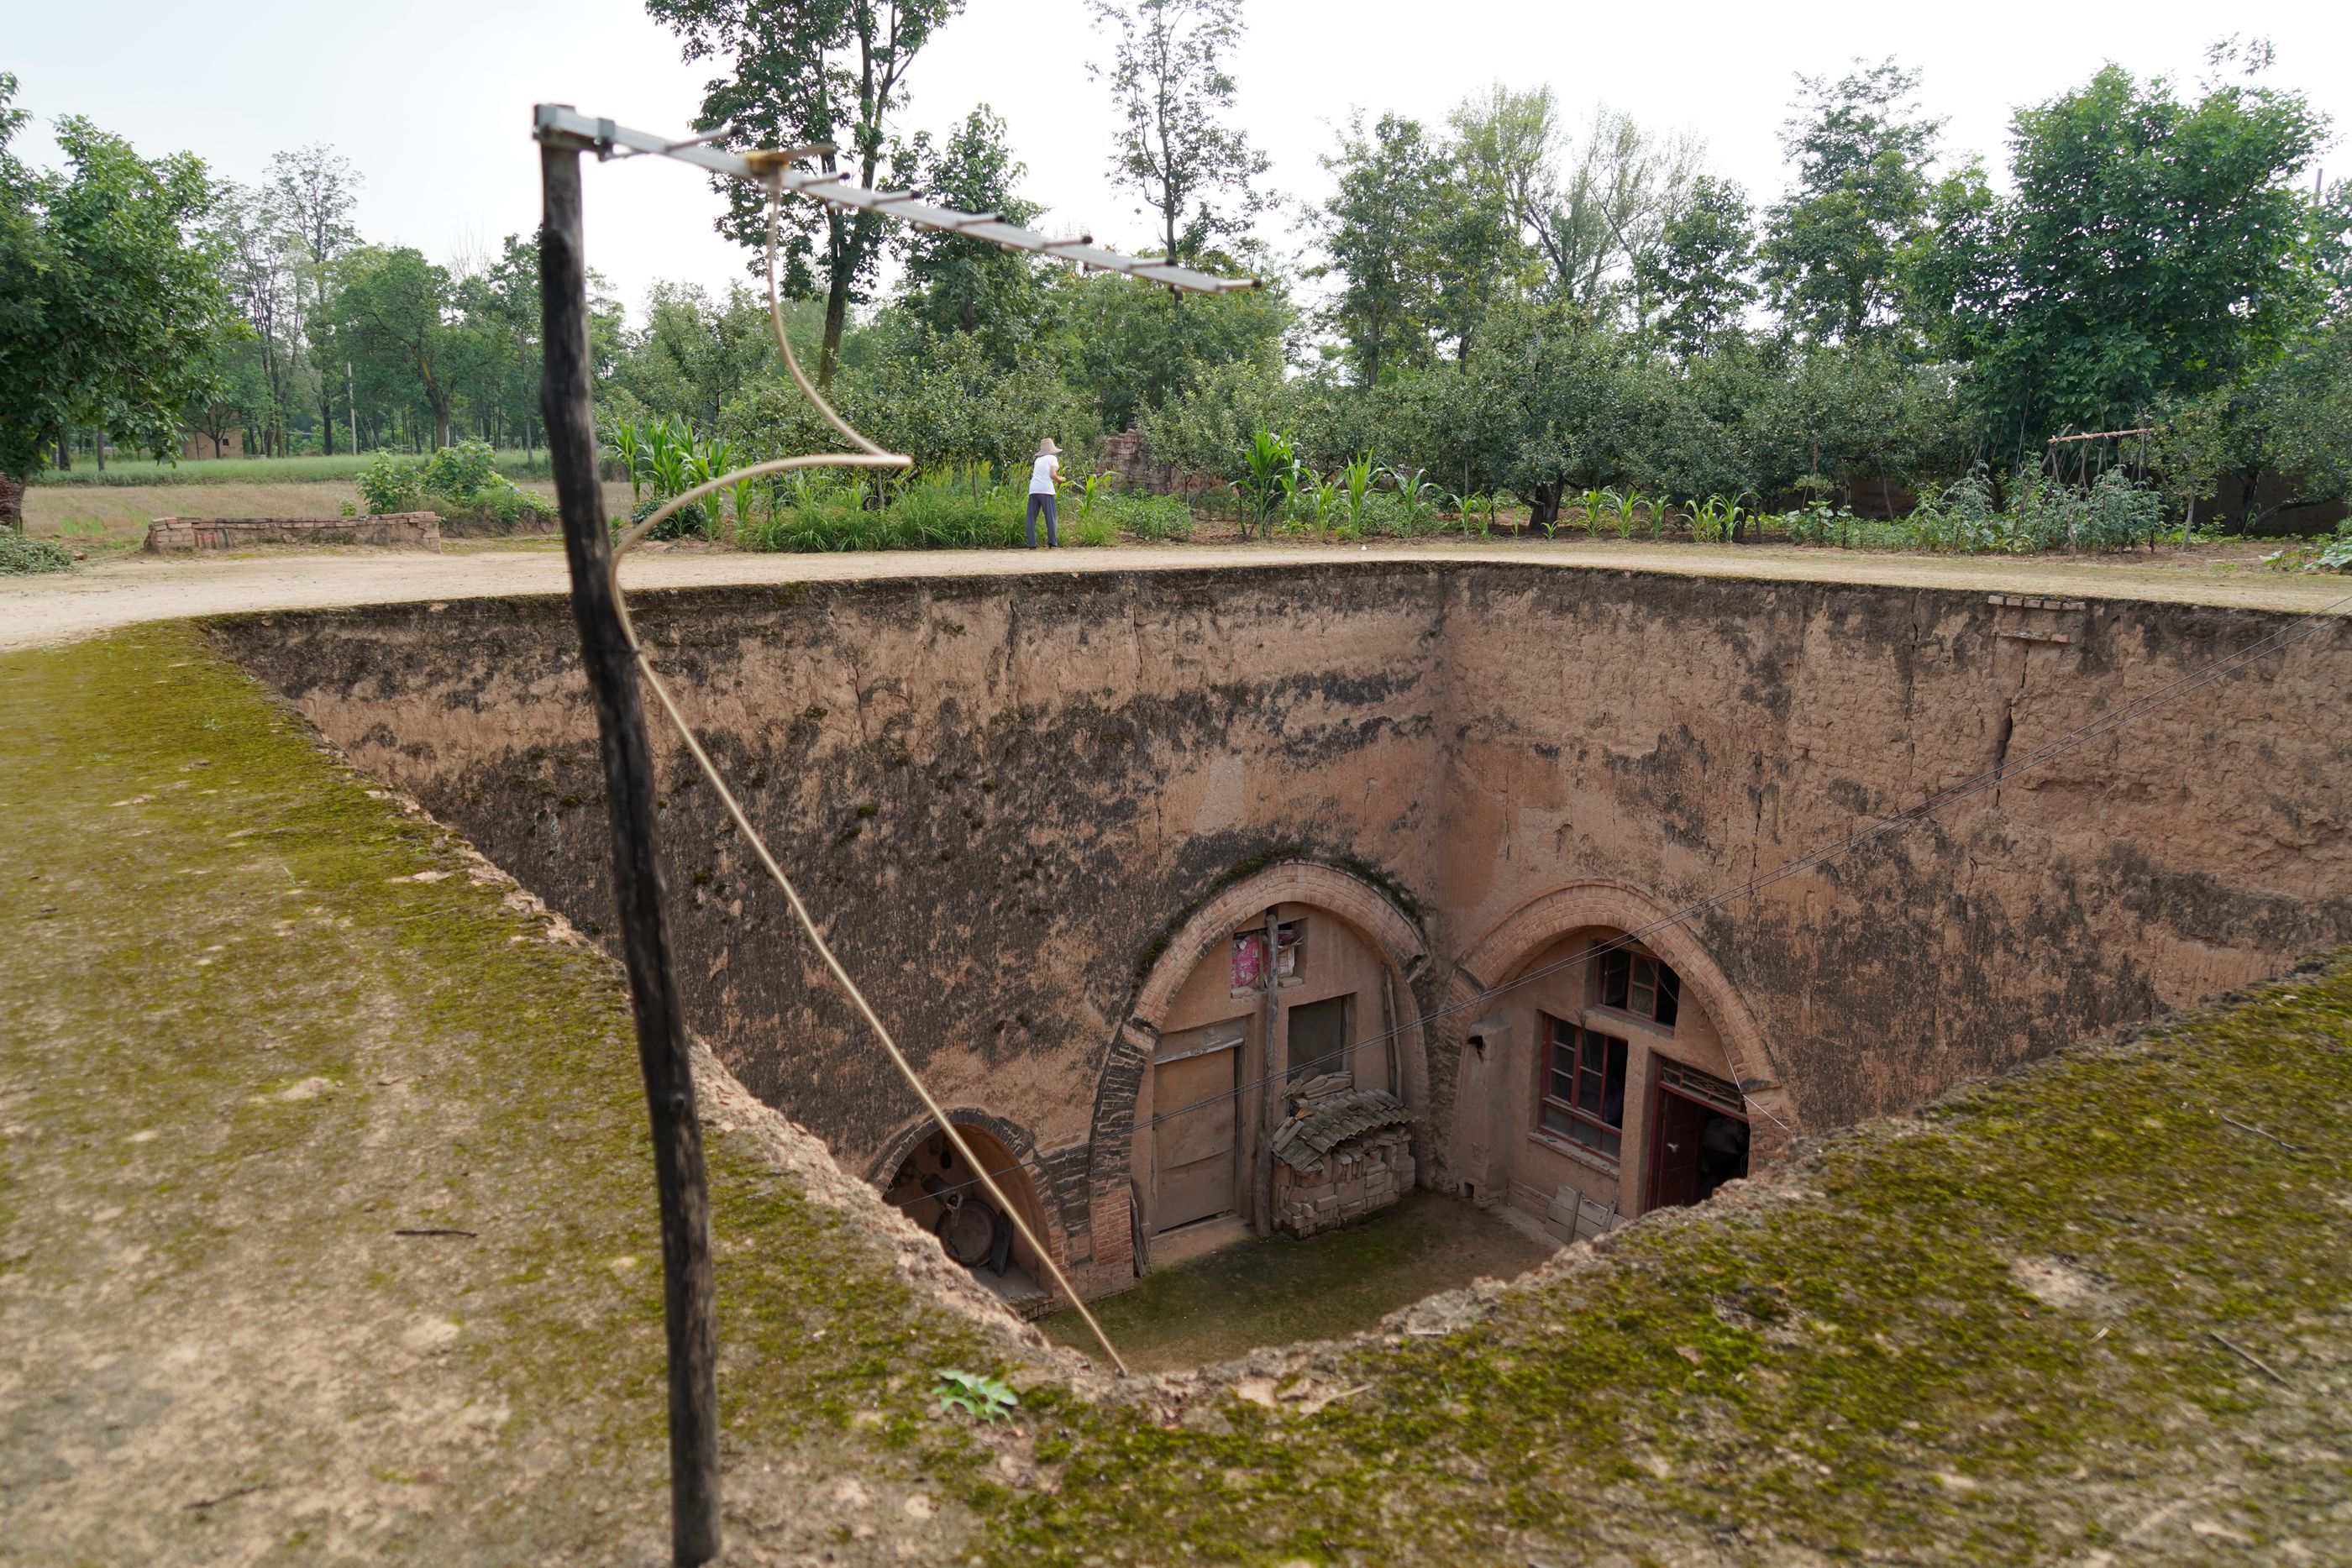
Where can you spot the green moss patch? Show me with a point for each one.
(327, 1221)
(1997, 1335)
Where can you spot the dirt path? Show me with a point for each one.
(38, 611)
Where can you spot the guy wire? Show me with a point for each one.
(868, 457)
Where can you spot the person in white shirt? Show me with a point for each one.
(1043, 475)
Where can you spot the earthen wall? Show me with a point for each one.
(1005, 797)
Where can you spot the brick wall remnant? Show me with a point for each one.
(389, 530)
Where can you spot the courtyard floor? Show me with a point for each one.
(1270, 1290)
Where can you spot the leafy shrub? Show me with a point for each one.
(510, 508)
(20, 555)
(1149, 518)
(461, 473)
(1091, 531)
(389, 483)
(2118, 514)
(984, 1399)
(689, 521)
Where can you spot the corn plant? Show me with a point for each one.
(1321, 500)
(1089, 490)
(1590, 505)
(1416, 499)
(1464, 508)
(629, 449)
(1356, 480)
(1273, 470)
(1495, 501)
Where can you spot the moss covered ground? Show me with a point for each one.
(326, 1220)
(257, 1024)
(2099, 1313)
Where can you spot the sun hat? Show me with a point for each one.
(1046, 448)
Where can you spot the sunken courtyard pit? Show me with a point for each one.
(1262, 898)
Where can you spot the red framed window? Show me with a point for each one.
(1638, 984)
(1582, 1098)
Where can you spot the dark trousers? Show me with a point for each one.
(1041, 504)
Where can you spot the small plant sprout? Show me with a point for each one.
(986, 1399)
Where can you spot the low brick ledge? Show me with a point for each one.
(392, 530)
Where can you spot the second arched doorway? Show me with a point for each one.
(1279, 1050)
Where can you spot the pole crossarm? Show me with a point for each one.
(559, 125)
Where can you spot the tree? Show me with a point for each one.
(1380, 231)
(696, 355)
(111, 298)
(828, 72)
(955, 283)
(313, 191)
(1179, 148)
(2151, 249)
(1833, 247)
(1555, 401)
(1701, 273)
(1133, 348)
(255, 244)
(1593, 209)
(394, 307)
(2292, 419)
(1478, 255)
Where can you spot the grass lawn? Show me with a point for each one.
(112, 518)
(257, 1024)
(313, 469)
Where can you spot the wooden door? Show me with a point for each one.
(1676, 1124)
(1193, 1157)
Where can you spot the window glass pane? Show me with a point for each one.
(1563, 1080)
(1553, 1119)
(1609, 1143)
(1612, 1095)
(1615, 971)
(1670, 995)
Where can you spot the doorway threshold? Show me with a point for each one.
(1198, 1239)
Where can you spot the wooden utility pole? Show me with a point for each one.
(636, 879)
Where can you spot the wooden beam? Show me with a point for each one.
(662, 1051)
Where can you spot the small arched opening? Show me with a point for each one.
(934, 1186)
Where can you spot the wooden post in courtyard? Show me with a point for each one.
(1271, 1069)
(662, 1054)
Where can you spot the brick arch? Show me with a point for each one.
(1537, 924)
(1391, 934)
(1045, 1214)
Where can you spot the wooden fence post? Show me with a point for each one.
(662, 1053)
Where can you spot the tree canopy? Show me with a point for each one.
(112, 293)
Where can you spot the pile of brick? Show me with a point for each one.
(1362, 1176)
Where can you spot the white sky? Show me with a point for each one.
(431, 100)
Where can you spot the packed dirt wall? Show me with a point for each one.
(1005, 798)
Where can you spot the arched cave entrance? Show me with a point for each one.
(933, 1185)
(1282, 1054)
(1605, 1076)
